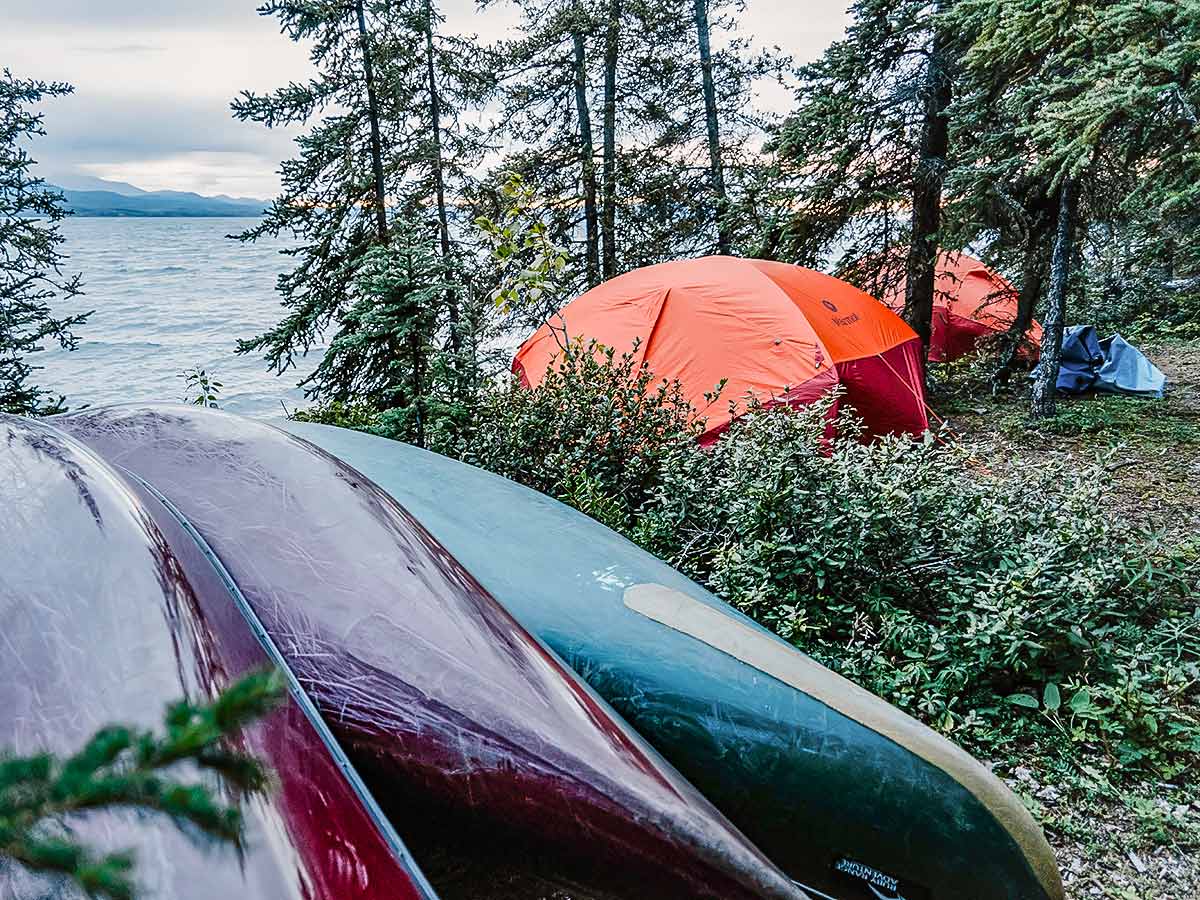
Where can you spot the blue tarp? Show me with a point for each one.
(1112, 365)
(1127, 371)
(1081, 359)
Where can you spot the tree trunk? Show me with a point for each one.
(927, 195)
(435, 137)
(414, 340)
(587, 155)
(1033, 277)
(373, 116)
(715, 168)
(1191, 283)
(1046, 376)
(768, 247)
(439, 193)
(609, 174)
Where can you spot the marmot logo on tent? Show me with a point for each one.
(840, 321)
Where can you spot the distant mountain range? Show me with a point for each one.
(88, 196)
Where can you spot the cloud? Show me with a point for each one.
(114, 14)
(121, 49)
(156, 97)
(154, 79)
(158, 143)
(151, 125)
(237, 174)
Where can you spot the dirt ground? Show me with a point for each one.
(1145, 843)
(1152, 447)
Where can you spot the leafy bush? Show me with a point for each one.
(594, 432)
(1138, 277)
(966, 599)
(359, 415)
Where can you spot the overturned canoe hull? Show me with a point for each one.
(437, 692)
(111, 611)
(849, 796)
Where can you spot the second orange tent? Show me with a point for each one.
(970, 303)
(781, 333)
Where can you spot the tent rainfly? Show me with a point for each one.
(777, 332)
(970, 302)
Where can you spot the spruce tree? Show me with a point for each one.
(548, 110)
(692, 103)
(31, 258)
(867, 150)
(383, 153)
(384, 343)
(1103, 94)
(1000, 203)
(587, 157)
(712, 125)
(648, 153)
(611, 24)
(934, 94)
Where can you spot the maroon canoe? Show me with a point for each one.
(447, 704)
(110, 612)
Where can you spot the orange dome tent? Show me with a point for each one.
(970, 302)
(779, 332)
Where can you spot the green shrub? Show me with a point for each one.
(594, 432)
(1008, 609)
(360, 415)
(970, 600)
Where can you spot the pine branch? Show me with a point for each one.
(122, 767)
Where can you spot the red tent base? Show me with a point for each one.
(880, 389)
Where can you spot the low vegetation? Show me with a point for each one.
(1012, 610)
(1010, 597)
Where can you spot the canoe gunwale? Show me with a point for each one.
(698, 620)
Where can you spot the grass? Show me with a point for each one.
(1123, 419)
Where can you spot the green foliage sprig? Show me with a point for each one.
(202, 388)
(121, 766)
(530, 264)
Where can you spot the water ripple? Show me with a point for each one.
(170, 294)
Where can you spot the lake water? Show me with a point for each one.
(170, 294)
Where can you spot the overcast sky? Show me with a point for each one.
(153, 81)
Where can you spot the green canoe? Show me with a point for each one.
(848, 795)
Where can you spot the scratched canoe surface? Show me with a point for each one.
(110, 613)
(446, 703)
(845, 793)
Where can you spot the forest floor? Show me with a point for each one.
(1131, 844)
